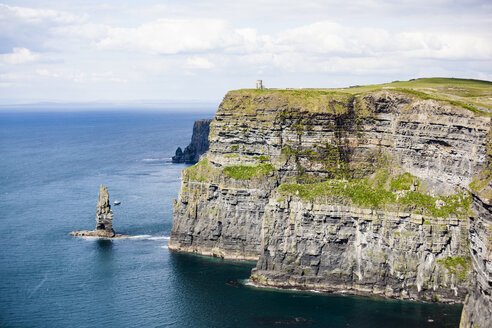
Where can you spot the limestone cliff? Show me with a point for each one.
(477, 310)
(198, 146)
(357, 190)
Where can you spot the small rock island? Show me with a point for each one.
(104, 219)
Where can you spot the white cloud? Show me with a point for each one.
(199, 62)
(36, 16)
(139, 47)
(80, 76)
(19, 56)
(171, 36)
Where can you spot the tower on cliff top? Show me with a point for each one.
(259, 84)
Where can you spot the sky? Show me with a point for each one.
(146, 51)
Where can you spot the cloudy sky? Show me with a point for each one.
(190, 50)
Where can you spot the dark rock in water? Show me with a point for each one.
(234, 283)
(178, 156)
(198, 146)
(104, 219)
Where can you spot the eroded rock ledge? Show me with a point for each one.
(363, 192)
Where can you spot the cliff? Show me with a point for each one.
(363, 190)
(198, 146)
(477, 310)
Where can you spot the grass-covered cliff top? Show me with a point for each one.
(475, 95)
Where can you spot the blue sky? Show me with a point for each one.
(188, 50)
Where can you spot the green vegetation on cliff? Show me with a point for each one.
(456, 265)
(204, 172)
(474, 95)
(201, 172)
(308, 100)
(482, 184)
(247, 172)
(375, 193)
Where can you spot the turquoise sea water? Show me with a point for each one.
(51, 167)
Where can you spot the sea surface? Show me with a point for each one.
(51, 166)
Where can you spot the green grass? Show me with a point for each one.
(338, 191)
(201, 172)
(247, 172)
(248, 101)
(457, 204)
(403, 182)
(482, 183)
(473, 95)
(374, 193)
(467, 93)
(262, 158)
(456, 265)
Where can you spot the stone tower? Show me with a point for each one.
(259, 84)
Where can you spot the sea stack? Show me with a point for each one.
(104, 215)
(104, 218)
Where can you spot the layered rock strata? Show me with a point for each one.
(311, 245)
(349, 229)
(198, 146)
(104, 219)
(477, 310)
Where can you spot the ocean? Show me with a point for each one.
(51, 167)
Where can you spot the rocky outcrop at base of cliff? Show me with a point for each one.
(335, 191)
(104, 219)
(198, 146)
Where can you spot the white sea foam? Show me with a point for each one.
(150, 237)
(156, 160)
(141, 237)
(91, 237)
(164, 246)
(158, 238)
(153, 159)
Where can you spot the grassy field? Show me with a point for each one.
(474, 92)
(475, 95)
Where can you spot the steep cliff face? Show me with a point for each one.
(338, 191)
(311, 245)
(477, 310)
(198, 146)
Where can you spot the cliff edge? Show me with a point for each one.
(362, 190)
